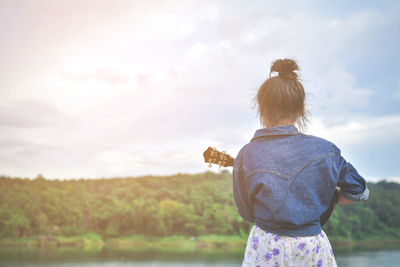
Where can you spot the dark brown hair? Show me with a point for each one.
(282, 97)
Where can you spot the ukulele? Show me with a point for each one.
(213, 156)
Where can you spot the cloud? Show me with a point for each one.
(359, 130)
(335, 97)
(30, 113)
(12, 142)
(393, 179)
(109, 76)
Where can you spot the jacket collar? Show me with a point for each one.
(287, 129)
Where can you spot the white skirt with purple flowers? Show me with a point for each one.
(268, 249)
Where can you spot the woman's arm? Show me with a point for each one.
(240, 191)
(353, 186)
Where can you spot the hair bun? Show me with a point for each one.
(285, 68)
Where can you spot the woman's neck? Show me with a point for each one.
(282, 123)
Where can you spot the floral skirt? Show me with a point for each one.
(268, 249)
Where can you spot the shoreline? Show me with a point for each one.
(171, 243)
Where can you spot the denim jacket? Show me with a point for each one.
(283, 180)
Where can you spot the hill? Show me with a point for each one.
(182, 204)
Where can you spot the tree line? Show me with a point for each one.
(182, 204)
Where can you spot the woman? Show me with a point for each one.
(284, 180)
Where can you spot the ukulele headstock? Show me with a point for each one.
(213, 156)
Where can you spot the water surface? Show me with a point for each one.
(71, 257)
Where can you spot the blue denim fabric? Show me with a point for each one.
(283, 180)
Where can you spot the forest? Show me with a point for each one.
(182, 204)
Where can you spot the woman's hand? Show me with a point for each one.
(342, 200)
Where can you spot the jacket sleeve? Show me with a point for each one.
(353, 186)
(240, 192)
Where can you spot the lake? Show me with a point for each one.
(69, 257)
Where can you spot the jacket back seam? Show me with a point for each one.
(288, 176)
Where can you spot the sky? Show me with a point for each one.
(92, 89)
